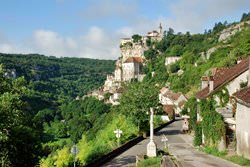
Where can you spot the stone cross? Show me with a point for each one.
(74, 151)
(164, 139)
(151, 147)
(118, 133)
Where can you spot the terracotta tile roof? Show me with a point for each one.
(224, 75)
(134, 59)
(168, 108)
(173, 96)
(243, 96)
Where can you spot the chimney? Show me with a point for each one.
(204, 82)
(211, 83)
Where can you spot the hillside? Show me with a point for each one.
(199, 53)
(65, 77)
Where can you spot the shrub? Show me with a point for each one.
(198, 135)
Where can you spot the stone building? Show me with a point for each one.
(130, 48)
(172, 102)
(242, 122)
(131, 68)
(227, 81)
(230, 78)
(118, 71)
(155, 35)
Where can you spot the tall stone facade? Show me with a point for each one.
(132, 68)
(129, 65)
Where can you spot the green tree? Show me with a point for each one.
(136, 102)
(18, 139)
(136, 38)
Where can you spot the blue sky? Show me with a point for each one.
(92, 28)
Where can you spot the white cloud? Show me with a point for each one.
(97, 42)
(194, 15)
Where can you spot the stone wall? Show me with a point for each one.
(170, 60)
(137, 50)
(128, 71)
(243, 130)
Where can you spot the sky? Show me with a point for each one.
(93, 28)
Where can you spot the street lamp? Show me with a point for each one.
(74, 151)
(118, 133)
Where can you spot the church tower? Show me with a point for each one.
(160, 29)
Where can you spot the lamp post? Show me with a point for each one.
(118, 133)
(74, 151)
(151, 147)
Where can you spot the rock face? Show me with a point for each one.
(136, 50)
(228, 32)
(129, 65)
(210, 51)
(170, 60)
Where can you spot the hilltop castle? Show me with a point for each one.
(129, 65)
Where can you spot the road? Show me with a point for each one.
(180, 145)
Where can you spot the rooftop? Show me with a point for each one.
(243, 96)
(173, 96)
(222, 76)
(134, 59)
(168, 108)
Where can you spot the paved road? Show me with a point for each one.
(179, 146)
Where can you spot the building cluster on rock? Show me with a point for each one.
(129, 65)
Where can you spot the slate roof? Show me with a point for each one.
(224, 75)
(243, 96)
(134, 59)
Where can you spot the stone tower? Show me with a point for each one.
(160, 29)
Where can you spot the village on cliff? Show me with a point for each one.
(236, 113)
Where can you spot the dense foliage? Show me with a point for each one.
(58, 78)
(136, 102)
(19, 140)
(37, 106)
(212, 123)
